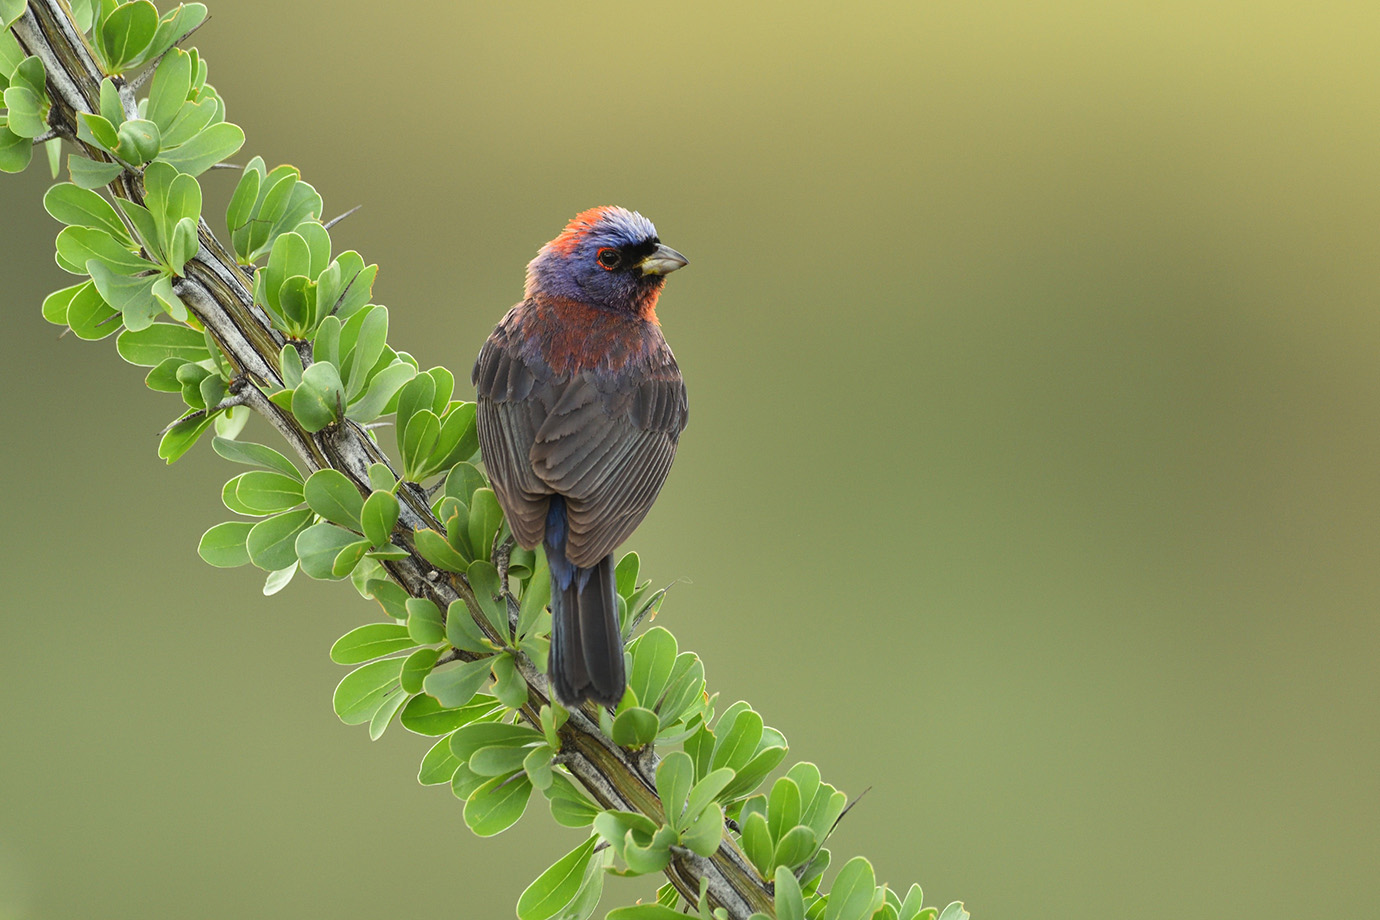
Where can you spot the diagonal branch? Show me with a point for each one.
(219, 294)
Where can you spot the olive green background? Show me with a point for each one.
(1032, 479)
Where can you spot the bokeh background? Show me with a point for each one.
(1032, 480)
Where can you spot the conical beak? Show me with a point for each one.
(663, 261)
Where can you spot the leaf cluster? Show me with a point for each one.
(468, 675)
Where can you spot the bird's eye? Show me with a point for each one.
(609, 258)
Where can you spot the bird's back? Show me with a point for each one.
(583, 402)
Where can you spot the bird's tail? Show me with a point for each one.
(586, 660)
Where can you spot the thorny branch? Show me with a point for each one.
(218, 292)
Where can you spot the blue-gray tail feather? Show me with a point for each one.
(586, 660)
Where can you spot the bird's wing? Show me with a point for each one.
(511, 408)
(607, 447)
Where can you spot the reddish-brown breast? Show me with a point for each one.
(570, 336)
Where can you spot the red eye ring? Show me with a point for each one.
(608, 258)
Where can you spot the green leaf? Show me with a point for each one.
(509, 686)
(252, 454)
(279, 580)
(224, 544)
(705, 831)
(954, 911)
(88, 174)
(424, 622)
(139, 141)
(439, 764)
(241, 209)
(55, 305)
(644, 912)
(52, 147)
(79, 207)
(475, 737)
(381, 479)
(90, 317)
(463, 632)
(28, 112)
(914, 902)
(558, 885)
(783, 807)
(438, 552)
(151, 346)
(535, 596)
(417, 666)
(754, 772)
(369, 343)
(96, 128)
(653, 660)
(625, 575)
(537, 766)
(378, 516)
(191, 120)
(318, 246)
(10, 11)
(349, 557)
(851, 896)
(415, 396)
(456, 518)
(365, 643)
(180, 437)
(497, 760)
(790, 904)
(379, 722)
(703, 793)
(498, 804)
(272, 541)
(172, 82)
(174, 26)
(267, 491)
(634, 727)
(757, 844)
(423, 430)
(459, 437)
(333, 496)
(122, 36)
(426, 716)
(737, 741)
(206, 149)
(382, 388)
(445, 387)
(797, 845)
(319, 545)
(132, 296)
(359, 695)
(463, 480)
(16, 152)
(184, 245)
(290, 364)
(317, 397)
(483, 578)
(76, 246)
(465, 781)
(455, 684)
(674, 776)
(486, 519)
(569, 808)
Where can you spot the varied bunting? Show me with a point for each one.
(581, 406)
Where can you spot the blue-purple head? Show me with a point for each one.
(608, 257)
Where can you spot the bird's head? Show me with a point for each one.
(609, 257)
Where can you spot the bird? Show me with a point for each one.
(580, 410)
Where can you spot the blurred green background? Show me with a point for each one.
(1031, 478)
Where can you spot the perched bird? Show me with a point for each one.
(581, 406)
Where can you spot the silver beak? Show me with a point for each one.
(663, 261)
